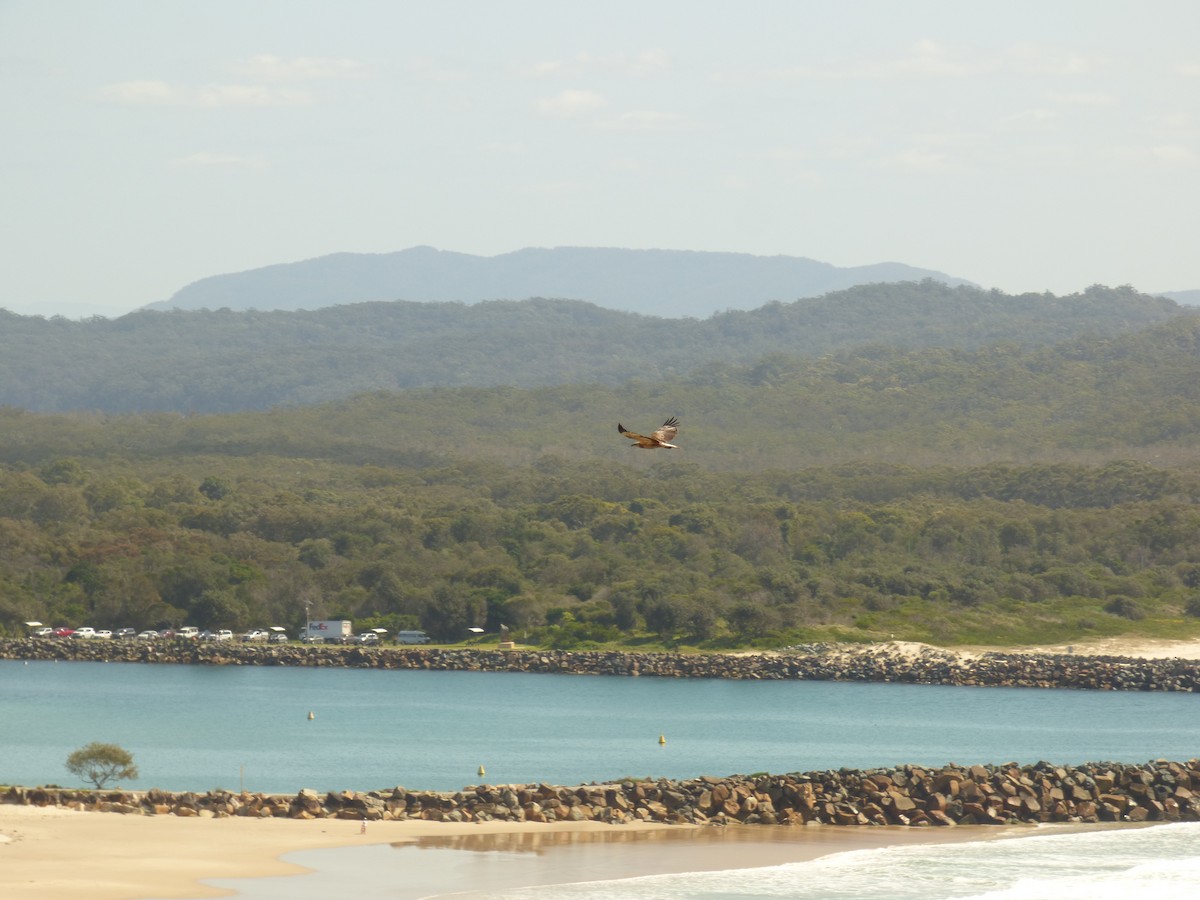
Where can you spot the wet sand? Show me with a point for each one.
(55, 854)
(478, 866)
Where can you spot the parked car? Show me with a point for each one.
(63, 631)
(149, 635)
(254, 634)
(85, 632)
(125, 633)
(279, 637)
(367, 637)
(103, 634)
(188, 631)
(44, 631)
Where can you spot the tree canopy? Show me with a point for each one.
(224, 361)
(1002, 493)
(100, 763)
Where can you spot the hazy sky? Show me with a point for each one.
(1044, 145)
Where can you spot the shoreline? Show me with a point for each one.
(55, 854)
(907, 795)
(479, 866)
(1120, 665)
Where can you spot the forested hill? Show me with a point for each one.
(225, 361)
(998, 494)
(671, 283)
(1084, 401)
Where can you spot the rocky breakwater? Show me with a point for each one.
(820, 662)
(1158, 791)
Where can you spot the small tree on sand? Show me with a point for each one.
(101, 763)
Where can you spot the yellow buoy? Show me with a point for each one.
(482, 771)
(310, 715)
(662, 739)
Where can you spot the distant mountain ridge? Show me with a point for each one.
(1184, 298)
(231, 360)
(666, 283)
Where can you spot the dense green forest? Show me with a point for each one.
(995, 493)
(1088, 400)
(224, 361)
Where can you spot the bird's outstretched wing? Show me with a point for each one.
(667, 433)
(632, 435)
(660, 438)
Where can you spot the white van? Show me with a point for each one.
(412, 637)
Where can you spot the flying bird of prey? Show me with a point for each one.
(660, 438)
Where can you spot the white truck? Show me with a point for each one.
(333, 631)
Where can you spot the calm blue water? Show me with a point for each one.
(201, 727)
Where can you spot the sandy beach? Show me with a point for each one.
(1124, 646)
(1138, 648)
(51, 854)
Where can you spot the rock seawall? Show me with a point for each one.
(868, 663)
(1158, 791)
